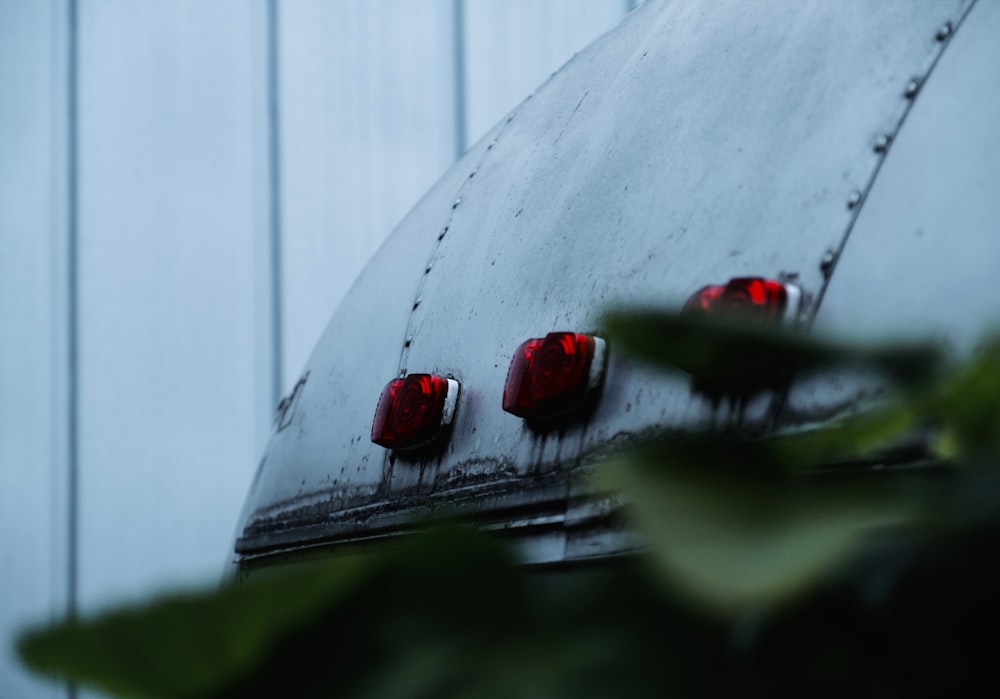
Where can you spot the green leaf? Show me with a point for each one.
(189, 644)
(853, 439)
(959, 414)
(967, 403)
(415, 627)
(734, 350)
(732, 540)
(338, 627)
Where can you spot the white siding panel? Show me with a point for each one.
(513, 46)
(367, 117)
(29, 574)
(168, 149)
(173, 220)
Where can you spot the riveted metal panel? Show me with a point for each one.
(695, 143)
(921, 261)
(320, 458)
(923, 257)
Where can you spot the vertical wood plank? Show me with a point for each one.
(168, 189)
(30, 533)
(265, 114)
(174, 165)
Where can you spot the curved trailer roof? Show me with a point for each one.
(696, 142)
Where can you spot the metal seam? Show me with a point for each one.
(389, 460)
(459, 74)
(856, 200)
(428, 267)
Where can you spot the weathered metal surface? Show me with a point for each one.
(695, 143)
(921, 260)
(323, 458)
(923, 256)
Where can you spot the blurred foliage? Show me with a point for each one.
(763, 574)
(729, 349)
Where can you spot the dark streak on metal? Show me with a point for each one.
(409, 333)
(282, 525)
(542, 442)
(325, 521)
(286, 408)
(388, 467)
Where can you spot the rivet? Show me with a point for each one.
(472, 174)
(827, 262)
(442, 233)
(854, 199)
(417, 303)
(945, 31)
(492, 143)
(455, 205)
(882, 143)
(409, 340)
(912, 88)
(427, 270)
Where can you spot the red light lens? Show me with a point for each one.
(412, 411)
(382, 432)
(517, 389)
(753, 297)
(551, 376)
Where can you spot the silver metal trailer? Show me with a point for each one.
(846, 149)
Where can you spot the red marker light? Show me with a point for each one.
(763, 299)
(412, 412)
(553, 375)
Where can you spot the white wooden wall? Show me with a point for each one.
(187, 189)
